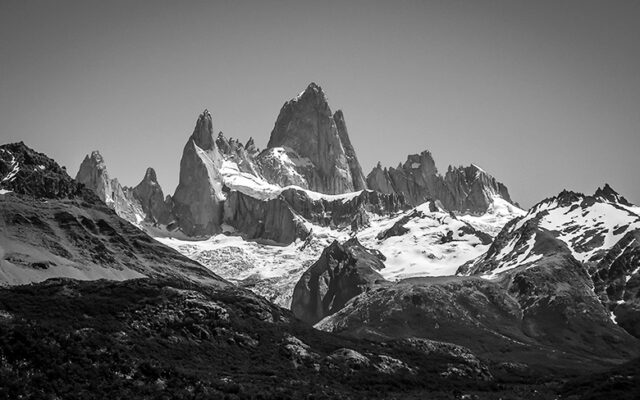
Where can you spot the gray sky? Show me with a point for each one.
(544, 95)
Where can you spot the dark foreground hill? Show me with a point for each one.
(153, 339)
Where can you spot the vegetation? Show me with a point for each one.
(65, 339)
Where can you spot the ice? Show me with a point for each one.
(274, 270)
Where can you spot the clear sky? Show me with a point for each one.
(544, 95)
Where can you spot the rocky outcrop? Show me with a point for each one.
(416, 179)
(27, 172)
(307, 147)
(242, 155)
(607, 193)
(156, 208)
(463, 189)
(471, 189)
(197, 202)
(94, 175)
(143, 204)
(342, 272)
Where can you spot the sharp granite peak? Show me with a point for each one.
(197, 202)
(462, 189)
(309, 151)
(316, 140)
(142, 203)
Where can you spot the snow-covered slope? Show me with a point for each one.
(432, 243)
(498, 214)
(595, 236)
(589, 226)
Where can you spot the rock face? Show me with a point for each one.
(198, 197)
(463, 189)
(311, 150)
(342, 272)
(472, 189)
(143, 204)
(94, 175)
(74, 234)
(149, 194)
(281, 219)
(272, 220)
(343, 212)
(359, 180)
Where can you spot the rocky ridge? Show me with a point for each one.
(595, 236)
(305, 176)
(65, 230)
(143, 204)
(462, 189)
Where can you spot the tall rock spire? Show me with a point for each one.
(198, 197)
(149, 193)
(94, 175)
(322, 155)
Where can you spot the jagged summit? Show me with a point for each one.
(463, 189)
(197, 199)
(94, 175)
(150, 175)
(311, 100)
(316, 143)
(203, 132)
(607, 193)
(148, 193)
(96, 156)
(95, 159)
(312, 90)
(566, 197)
(25, 171)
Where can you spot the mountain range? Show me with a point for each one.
(393, 278)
